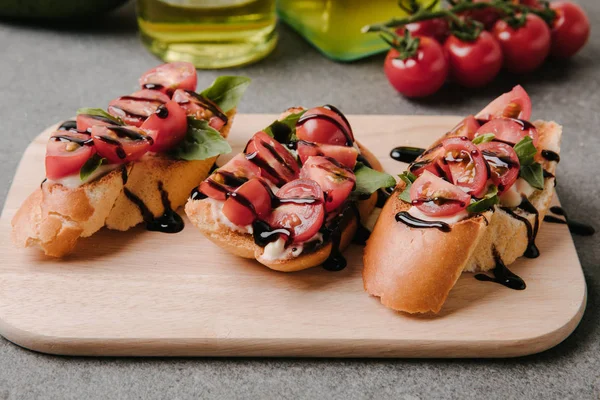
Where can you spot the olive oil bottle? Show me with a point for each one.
(208, 33)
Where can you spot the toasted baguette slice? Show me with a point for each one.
(413, 270)
(206, 216)
(55, 216)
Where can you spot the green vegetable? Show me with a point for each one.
(533, 174)
(98, 112)
(226, 91)
(90, 166)
(200, 142)
(530, 170)
(286, 127)
(486, 202)
(408, 178)
(487, 137)
(369, 181)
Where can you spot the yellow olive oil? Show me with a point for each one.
(208, 33)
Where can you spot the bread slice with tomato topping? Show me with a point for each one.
(292, 210)
(447, 216)
(137, 163)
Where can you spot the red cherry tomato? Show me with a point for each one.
(420, 75)
(346, 155)
(467, 166)
(120, 144)
(430, 161)
(249, 202)
(509, 130)
(474, 64)
(436, 28)
(167, 126)
(524, 48)
(66, 152)
(274, 159)
(570, 29)
(148, 94)
(200, 108)
(487, 16)
(324, 125)
(503, 162)
(467, 127)
(133, 110)
(513, 104)
(436, 197)
(301, 210)
(236, 172)
(336, 180)
(85, 122)
(168, 77)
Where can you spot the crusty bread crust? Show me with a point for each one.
(413, 270)
(54, 216)
(241, 244)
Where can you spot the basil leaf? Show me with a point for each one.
(487, 202)
(533, 174)
(285, 128)
(525, 151)
(369, 180)
(200, 142)
(90, 166)
(226, 91)
(98, 112)
(408, 178)
(486, 137)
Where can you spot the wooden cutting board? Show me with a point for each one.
(149, 294)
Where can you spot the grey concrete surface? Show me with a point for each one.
(47, 72)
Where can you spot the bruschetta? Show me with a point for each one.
(471, 202)
(295, 197)
(134, 163)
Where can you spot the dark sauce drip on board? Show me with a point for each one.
(576, 227)
(68, 126)
(168, 222)
(406, 154)
(413, 222)
(502, 275)
(550, 155)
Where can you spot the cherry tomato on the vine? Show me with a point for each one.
(436, 28)
(570, 29)
(525, 48)
(420, 75)
(474, 63)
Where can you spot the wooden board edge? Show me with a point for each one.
(306, 348)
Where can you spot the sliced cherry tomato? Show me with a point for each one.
(120, 144)
(85, 122)
(346, 155)
(324, 125)
(467, 127)
(524, 48)
(301, 210)
(436, 28)
(226, 179)
(149, 94)
(249, 202)
(431, 161)
(513, 104)
(66, 152)
(570, 29)
(168, 77)
(200, 108)
(420, 75)
(167, 126)
(509, 130)
(133, 110)
(436, 197)
(474, 63)
(467, 166)
(503, 162)
(336, 180)
(274, 159)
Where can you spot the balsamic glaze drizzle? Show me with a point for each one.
(168, 222)
(307, 117)
(68, 126)
(576, 227)
(80, 142)
(406, 154)
(502, 274)
(209, 105)
(550, 155)
(531, 251)
(413, 222)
